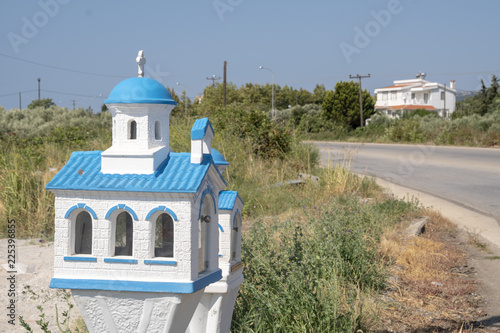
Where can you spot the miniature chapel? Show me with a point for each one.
(147, 239)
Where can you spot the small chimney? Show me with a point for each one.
(452, 84)
(202, 134)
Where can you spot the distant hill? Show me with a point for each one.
(461, 94)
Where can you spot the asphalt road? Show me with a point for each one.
(469, 177)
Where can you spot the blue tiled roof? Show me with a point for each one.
(227, 199)
(200, 128)
(218, 158)
(140, 90)
(175, 174)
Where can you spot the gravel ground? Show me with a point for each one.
(32, 288)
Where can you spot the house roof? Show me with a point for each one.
(227, 199)
(218, 158)
(407, 107)
(397, 86)
(140, 90)
(175, 175)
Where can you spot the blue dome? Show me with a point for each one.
(140, 90)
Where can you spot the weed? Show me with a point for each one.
(314, 275)
(476, 240)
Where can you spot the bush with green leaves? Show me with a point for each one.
(39, 122)
(268, 139)
(311, 276)
(420, 113)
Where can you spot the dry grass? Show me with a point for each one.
(429, 291)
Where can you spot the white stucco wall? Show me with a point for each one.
(145, 115)
(413, 94)
(103, 239)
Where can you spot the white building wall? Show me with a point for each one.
(413, 94)
(145, 116)
(103, 238)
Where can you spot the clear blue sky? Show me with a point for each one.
(303, 42)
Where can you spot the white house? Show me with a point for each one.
(137, 226)
(409, 95)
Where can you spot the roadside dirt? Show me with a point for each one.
(440, 281)
(479, 237)
(32, 288)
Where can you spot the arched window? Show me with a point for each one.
(157, 130)
(236, 237)
(83, 233)
(164, 236)
(204, 234)
(123, 234)
(132, 134)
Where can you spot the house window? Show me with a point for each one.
(393, 114)
(426, 98)
(123, 234)
(132, 134)
(393, 95)
(235, 237)
(83, 233)
(157, 130)
(412, 95)
(204, 233)
(442, 95)
(164, 236)
(384, 96)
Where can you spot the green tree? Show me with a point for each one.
(342, 105)
(481, 103)
(319, 93)
(44, 103)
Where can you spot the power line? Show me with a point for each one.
(61, 68)
(72, 94)
(53, 91)
(22, 92)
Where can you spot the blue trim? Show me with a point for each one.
(121, 206)
(80, 205)
(160, 262)
(134, 215)
(141, 286)
(207, 190)
(163, 209)
(91, 259)
(119, 260)
(220, 228)
(220, 255)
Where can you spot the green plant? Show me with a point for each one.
(315, 275)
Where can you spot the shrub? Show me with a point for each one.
(267, 139)
(310, 276)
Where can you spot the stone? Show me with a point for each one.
(417, 226)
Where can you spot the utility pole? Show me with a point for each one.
(444, 111)
(74, 103)
(359, 77)
(20, 101)
(225, 69)
(213, 78)
(39, 90)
